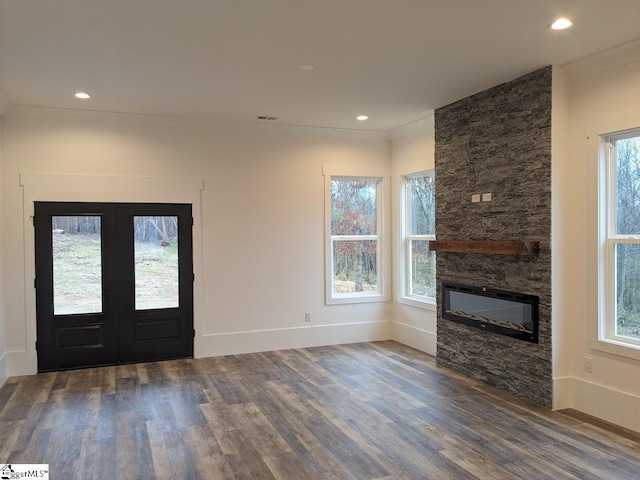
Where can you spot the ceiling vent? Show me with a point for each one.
(265, 117)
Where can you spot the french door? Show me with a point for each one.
(114, 283)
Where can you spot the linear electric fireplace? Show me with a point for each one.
(506, 313)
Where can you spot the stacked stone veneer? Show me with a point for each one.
(497, 141)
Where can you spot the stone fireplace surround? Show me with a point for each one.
(499, 142)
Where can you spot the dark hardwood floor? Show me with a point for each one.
(363, 411)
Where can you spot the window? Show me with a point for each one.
(419, 275)
(355, 232)
(619, 321)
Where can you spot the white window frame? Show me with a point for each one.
(606, 339)
(382, 234)
(406, 297)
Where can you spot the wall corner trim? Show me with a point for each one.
(414, 337)
(21, 362)
(562, 393)
(4, 368)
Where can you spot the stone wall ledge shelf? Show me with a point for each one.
(491, 247)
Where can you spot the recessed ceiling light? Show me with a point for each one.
(362, 118)
(306, 67)
(561, 24)
(82, 95)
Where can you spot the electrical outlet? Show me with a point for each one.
(307, 316)
(486, 197)
(475, 198)
(588, 364)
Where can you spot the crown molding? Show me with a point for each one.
(421, 125)
(602, 61)
(25, 112)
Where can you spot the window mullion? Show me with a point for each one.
(353, 238)
(428, 238)
(628, 239)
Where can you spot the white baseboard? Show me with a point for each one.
(563, 393)
(4, 368)
(236, 343)
(25, 362)
(414, 337)
(22, 363)
(620, 408)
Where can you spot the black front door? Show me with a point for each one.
(114, 283)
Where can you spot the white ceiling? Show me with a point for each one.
(395, 60)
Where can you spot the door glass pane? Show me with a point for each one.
(77, 264)
(156, 262)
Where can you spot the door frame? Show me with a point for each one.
(105, 189)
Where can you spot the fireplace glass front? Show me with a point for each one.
(498, 311)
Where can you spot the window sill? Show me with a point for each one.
(414, 302)
(618, 348)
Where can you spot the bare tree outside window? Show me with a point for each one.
(423, 261)
(420, 262)
(156, 262)
(77, 264)
(354, 235)
(627, 226)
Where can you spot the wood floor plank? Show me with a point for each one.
(416, 459)
(291, 435)
(289, 466)
(7, 392)
(313, 451)
(347, 412)
(205, 455)
(248, 463)
(35, 451)
(170, 459)
(10, 431)
(103, 442)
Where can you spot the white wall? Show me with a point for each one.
(265, 186)
(4, 368)
(260, 226)
(562, 238)
(412, 150)
(604, 96)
